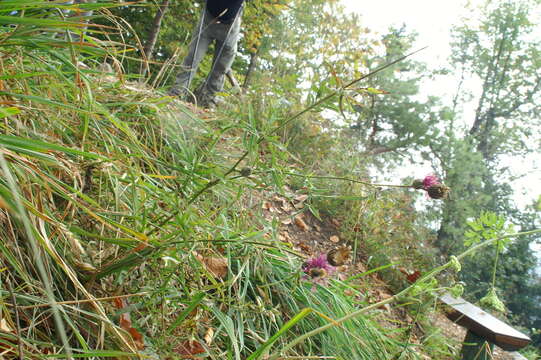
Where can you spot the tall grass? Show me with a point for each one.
(55, 135)
(109, 189)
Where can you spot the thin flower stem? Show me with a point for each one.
(341, 89)
(429, 275)
(204, 189)
(495, 263)
(347, 179)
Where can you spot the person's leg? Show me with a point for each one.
(226, 48)
(84, 15)
(199, 45)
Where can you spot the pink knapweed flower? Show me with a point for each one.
(317, 270)
(430, 180)
(319, 262)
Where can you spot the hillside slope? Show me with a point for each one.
(137, 226)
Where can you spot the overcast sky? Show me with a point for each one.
(432, 19)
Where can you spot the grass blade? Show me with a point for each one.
(197, 300)
(265, 347)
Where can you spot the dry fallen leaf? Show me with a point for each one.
(335, 222)
(301, 198)
(4, 326)
(208, 336)
(342, 276)
(339, 256)
(275, 210)
(304, 247)
(301, 224)
(126, 324)
(84, 266)
(189, 348)
(137, 338)
(414, 276)
(334, 239)
(383, 295)
(217, 266)
(284, 236)
(286, 207)
(299, 205)
(361, 267)
(286, 221)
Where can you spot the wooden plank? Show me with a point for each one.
(484, 324)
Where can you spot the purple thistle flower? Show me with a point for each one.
(319, 262)
(430, 180)
(317, 270)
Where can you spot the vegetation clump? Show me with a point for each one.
(135, 225)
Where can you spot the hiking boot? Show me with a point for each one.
(176, 92)
(206, 101)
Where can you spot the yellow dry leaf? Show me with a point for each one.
(217, 266)
(4, 326)
(301, 224)
(209, 335)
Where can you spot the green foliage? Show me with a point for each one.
(123, 190)
(311, 46)
(492, 301)
(393, 120)
(109, 188)
(493, 50)
(488, 226)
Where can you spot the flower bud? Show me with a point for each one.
(438, 191)
(417, 184)
(455, 264)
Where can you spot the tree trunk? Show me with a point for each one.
(155, 29)
(253, 62)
